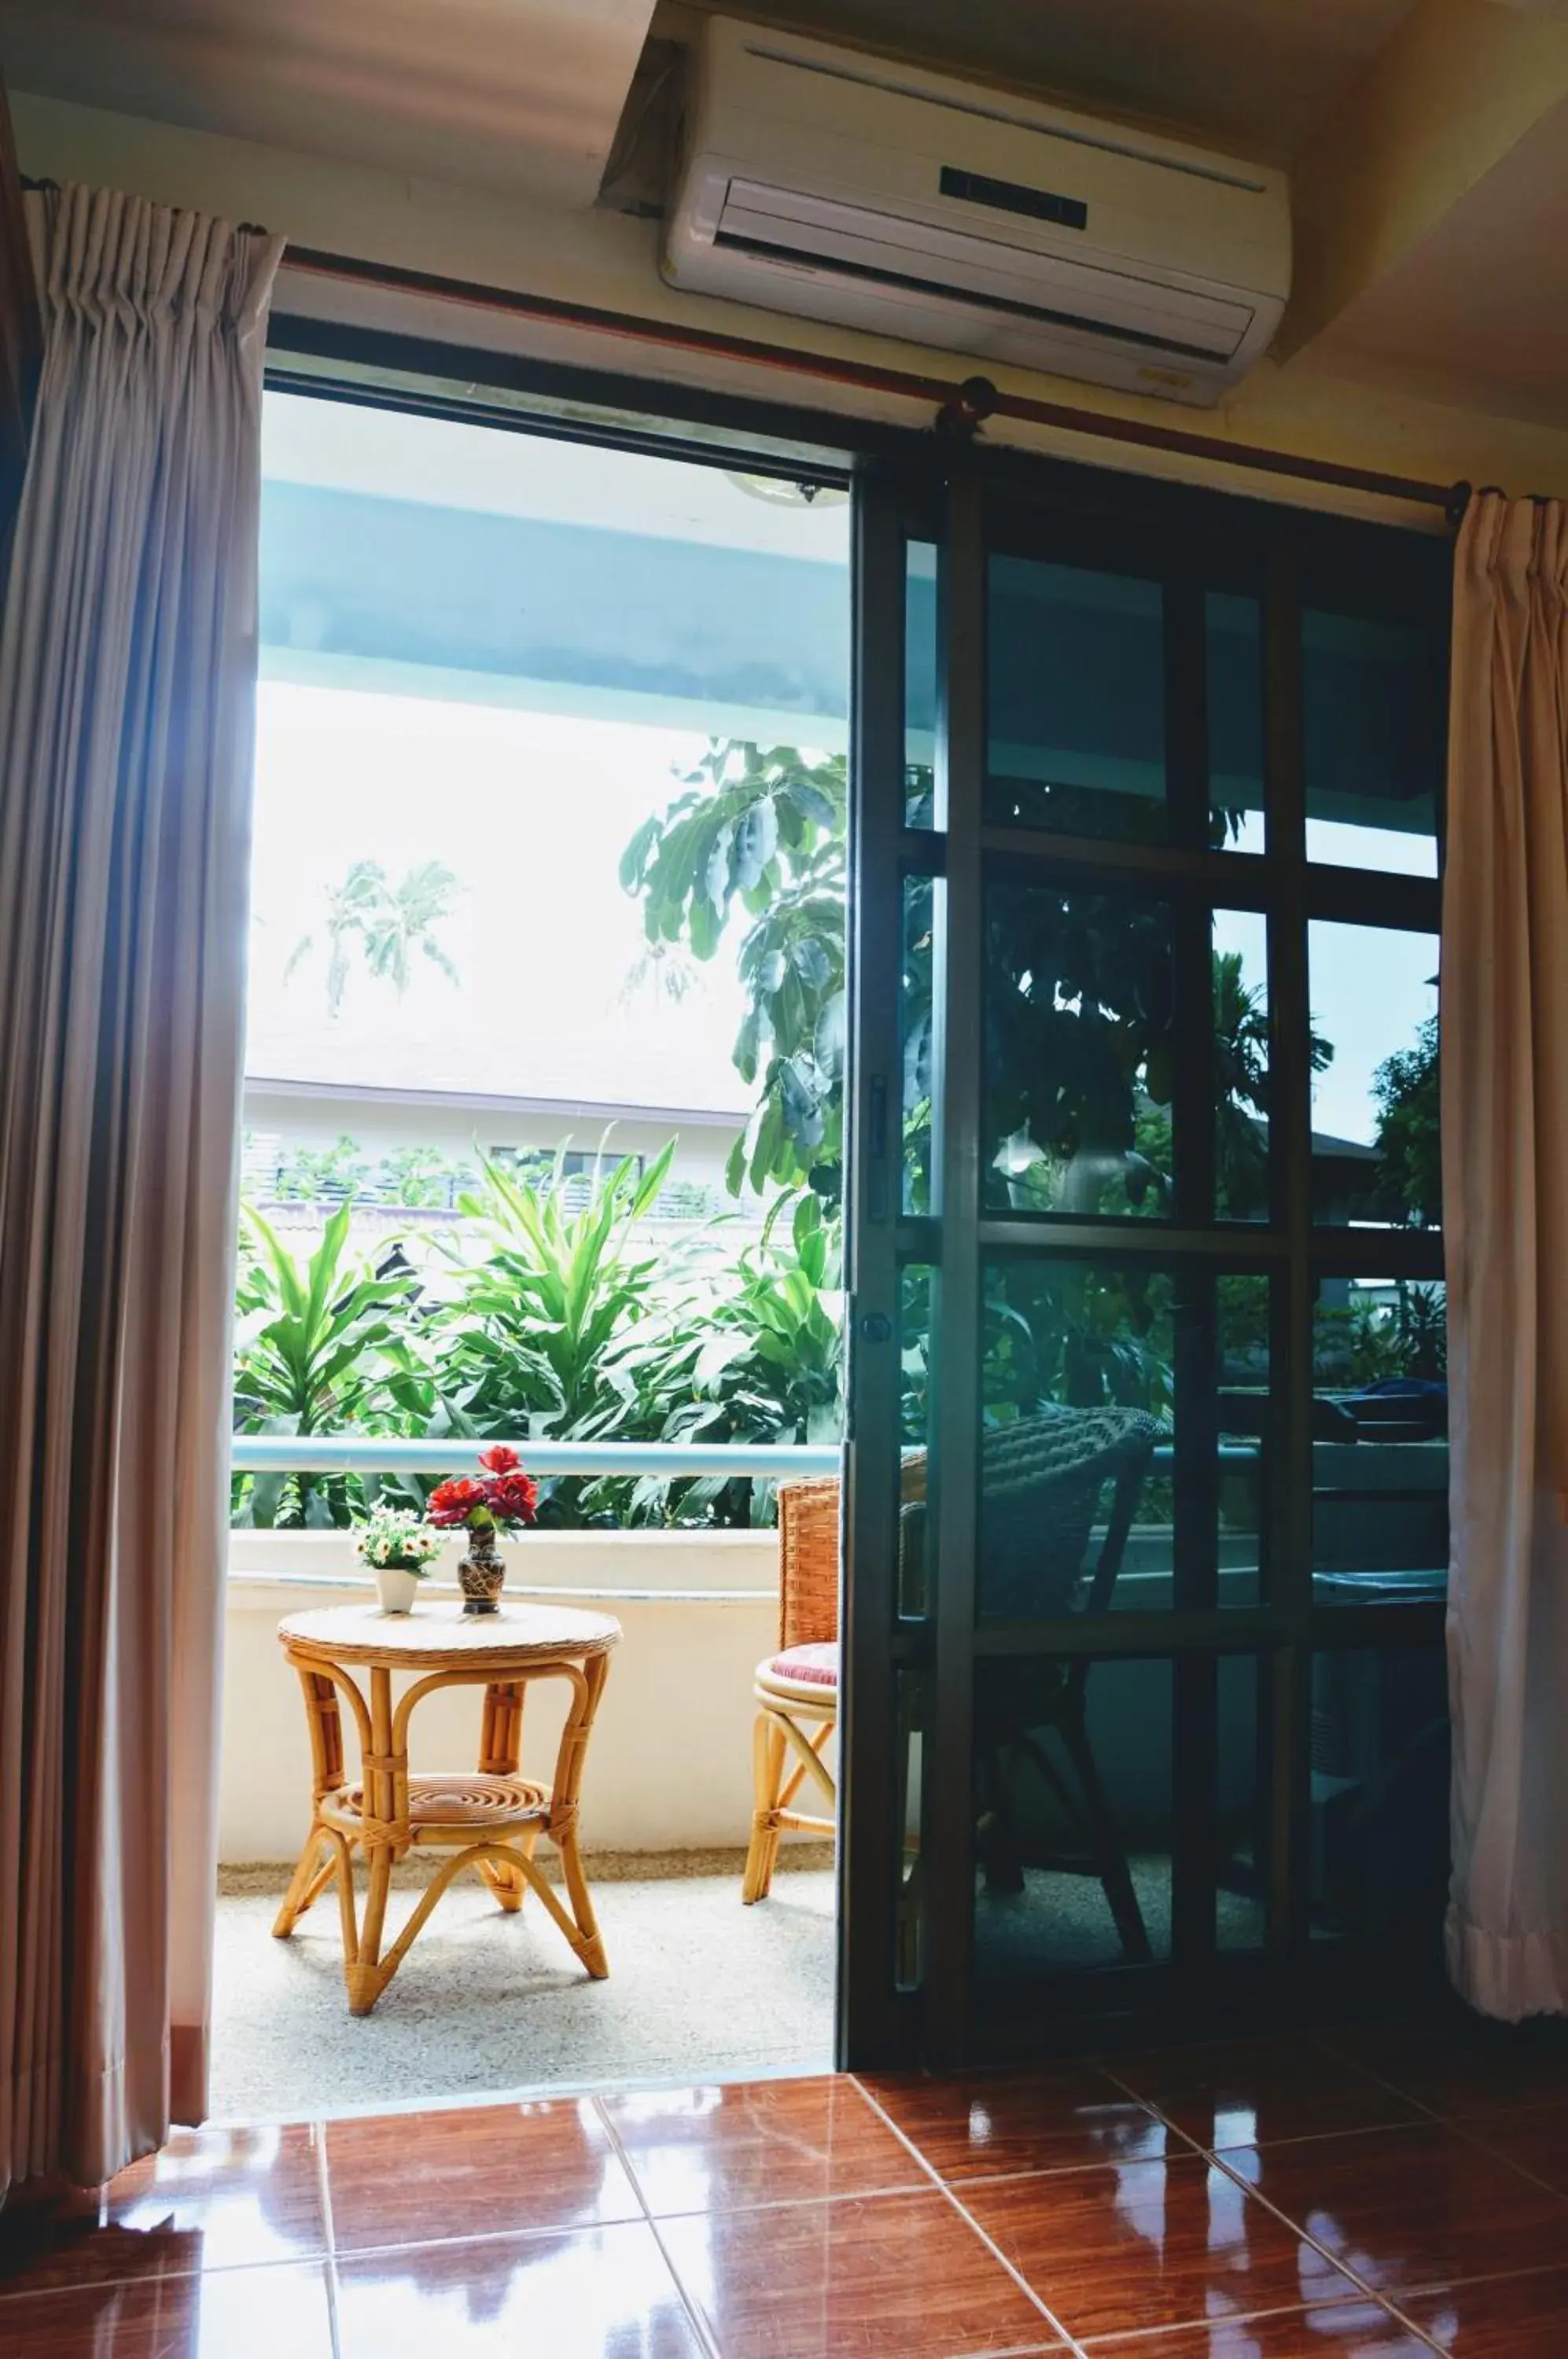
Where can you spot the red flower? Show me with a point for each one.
(502, 1495)
(512, 1498)
(452, 1502)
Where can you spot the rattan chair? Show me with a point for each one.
(1043, 1480)
(797, 1689)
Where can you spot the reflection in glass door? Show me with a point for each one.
(1147, 1453)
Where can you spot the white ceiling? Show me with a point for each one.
(512, 94)
(1258, 72)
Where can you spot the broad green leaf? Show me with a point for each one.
(755, 840)
(811, 961)
(634, 859)
(809, 800)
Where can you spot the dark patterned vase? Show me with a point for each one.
(482, 1572)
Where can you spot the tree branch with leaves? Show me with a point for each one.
(759, 835)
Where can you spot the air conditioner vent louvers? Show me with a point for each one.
(799, 231)
(873, 276)
(911, 204)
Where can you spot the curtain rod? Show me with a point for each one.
(961, 407)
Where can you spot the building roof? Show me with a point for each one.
(488, 1101)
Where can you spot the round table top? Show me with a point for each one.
(443, 1637)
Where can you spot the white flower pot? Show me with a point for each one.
(397, 1586)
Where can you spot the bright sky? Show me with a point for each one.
(531, 811)
(1369, 988)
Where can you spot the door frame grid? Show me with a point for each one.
(955, 500)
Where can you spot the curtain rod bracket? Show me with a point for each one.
(1458, 500)
(966, 411)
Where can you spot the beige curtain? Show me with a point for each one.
(1505, 1156)
(126, 689)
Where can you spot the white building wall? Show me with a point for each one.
(380, 1127)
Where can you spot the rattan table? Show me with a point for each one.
(490, 1817)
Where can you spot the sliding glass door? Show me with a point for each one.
(1144, 1713)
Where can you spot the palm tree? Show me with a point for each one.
(1241, 1074)
(390, 923)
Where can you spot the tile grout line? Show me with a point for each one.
(1334, 2259)
(1432, 2117)
(1139, 2338)
(1472, 2136)
(1303, 2137)
(1214, 2156)
(1486, 2276)
(1428, 2118)
(1154, 2110)
(696, 2317)
(1018, 2351)
(274, 2263)
(408, 2244)
(325, 2190)
(1069, 2342)
(1104, 2346)
(1323, 2041)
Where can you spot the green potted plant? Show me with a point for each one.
(400, 1548)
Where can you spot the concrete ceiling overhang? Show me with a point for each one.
(1449, 99)
(1430, 211)
(522, 95)
(1477, 310)
(1254, 73)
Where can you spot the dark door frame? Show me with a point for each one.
(969, 501)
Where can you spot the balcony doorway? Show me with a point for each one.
(543, 1147)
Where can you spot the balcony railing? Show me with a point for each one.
(293, 1453)
(290, 1453)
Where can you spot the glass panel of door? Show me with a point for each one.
(1140, 1404)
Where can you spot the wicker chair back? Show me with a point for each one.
(1042, 1480)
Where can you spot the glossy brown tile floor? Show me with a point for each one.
(1374, 2195)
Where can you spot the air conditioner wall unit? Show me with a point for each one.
(824, 182)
